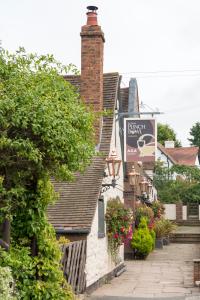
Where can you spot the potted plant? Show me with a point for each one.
(142, 241)
(158, 209)
(118, 224)
(169, 227)
(160, 231)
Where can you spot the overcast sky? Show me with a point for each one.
(158, 37)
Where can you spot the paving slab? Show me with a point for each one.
(165, 274)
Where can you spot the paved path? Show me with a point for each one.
(166, 273)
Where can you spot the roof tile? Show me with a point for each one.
(184, 155)
(76, 205)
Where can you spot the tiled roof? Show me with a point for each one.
(76, 205)
(184, 155)
(166, 152)
(124, 98)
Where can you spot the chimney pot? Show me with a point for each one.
(92, 15)
(169, 144)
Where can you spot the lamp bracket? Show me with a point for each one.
(106, 186)
(105, 174)
(145, 199)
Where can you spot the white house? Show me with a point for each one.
(79, 212)
(171, 155)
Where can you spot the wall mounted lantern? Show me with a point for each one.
(143, 185)
(133, 177)
(149, 188)
(113, 164)
(146, 188)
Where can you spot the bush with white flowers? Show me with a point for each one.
(6, 284)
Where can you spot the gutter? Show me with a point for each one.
(73, 231)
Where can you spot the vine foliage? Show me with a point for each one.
(45, 130)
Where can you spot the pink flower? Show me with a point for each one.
(116, 235)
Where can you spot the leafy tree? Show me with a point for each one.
(195, 133)
(185, 188)
(166, 133)
(45, 130)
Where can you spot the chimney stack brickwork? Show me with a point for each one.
(92, 42)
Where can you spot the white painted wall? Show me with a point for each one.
(170, 211)
(162, 157)
(167, 162)
(199, 212)
(184, 212)
(99, 262)
(197, 161)
(154, 194)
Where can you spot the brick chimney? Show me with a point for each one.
(92, 42)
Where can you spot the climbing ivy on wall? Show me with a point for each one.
(45, 130)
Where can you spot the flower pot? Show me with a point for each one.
(166, 240)
(138, 255)
(159, 243)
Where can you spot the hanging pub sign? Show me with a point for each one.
(140, 139)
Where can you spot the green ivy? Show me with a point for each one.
(37, 277)
(45, 130)
(7, 284)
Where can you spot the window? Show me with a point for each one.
(101, 218)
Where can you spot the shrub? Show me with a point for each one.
(37, 277)
(142, 240)
(169, 227)
(63, 240)
(159, 228)
(153, 235)
(158, 209)
(7, 291)
(118, 223)
(143, 210)
(45, 131)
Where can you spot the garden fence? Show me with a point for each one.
(73, 262)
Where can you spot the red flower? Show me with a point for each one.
(122, 229)
(116, 235)
(151, 224)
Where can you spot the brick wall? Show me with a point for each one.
(196, 276)
(92, 43)
(179, 211)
